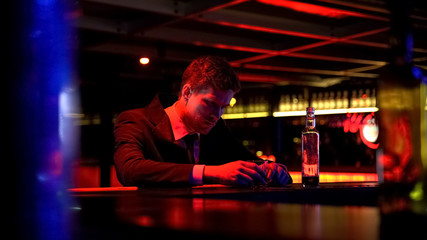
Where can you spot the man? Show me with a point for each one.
(152, 146)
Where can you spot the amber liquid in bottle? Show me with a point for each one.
(310, 151)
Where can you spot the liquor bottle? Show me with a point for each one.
(282, 103)
(374, 98)
(354, 100)
(320, 103)
(294, 102)
(402, 153)
(326, 101)
(287, 103)
(345, 99)
(251, 105)
(314, 101)
(368, 98)
(332, 104)
(300, 103)
(338, 101)
(310, 151)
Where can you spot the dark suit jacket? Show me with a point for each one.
(146, 154)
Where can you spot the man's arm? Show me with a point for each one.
(132, 138)
(240, 173)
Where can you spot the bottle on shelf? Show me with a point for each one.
(251, 105)
(339, 101)
(258, 104)
(345, 99)
(373, 98)
(360, 98)
(310, 151)
(332, 104)
(320, 104)
(305, 103)
(314, 101)
(300, 103)
(255, 104)
(294, 102)
(368, 98)
(282, 103)
(326, 101)
(234, 108)
(264, 105)
(354, 103)
(239, 108)
(287, 103)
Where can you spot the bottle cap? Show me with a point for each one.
(310, 109)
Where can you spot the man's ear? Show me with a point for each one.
(186, 92)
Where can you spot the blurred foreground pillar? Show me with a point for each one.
(38, 139)
(402, 156)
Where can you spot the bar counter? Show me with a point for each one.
(330, 211)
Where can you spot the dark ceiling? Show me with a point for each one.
(303, 43)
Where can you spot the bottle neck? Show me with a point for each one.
(310, 121)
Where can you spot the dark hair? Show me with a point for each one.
(210, 71)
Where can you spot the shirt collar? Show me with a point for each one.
(178, 127)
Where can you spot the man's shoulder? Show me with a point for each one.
(131, 115)
(153, 112)
(142, 111)
(134, 111)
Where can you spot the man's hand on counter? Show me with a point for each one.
(238, 173)
(277, 174)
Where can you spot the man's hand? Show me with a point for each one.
(238, 173)
(276, 174)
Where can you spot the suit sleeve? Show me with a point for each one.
(133, 138)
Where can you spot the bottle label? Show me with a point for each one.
(310, 170)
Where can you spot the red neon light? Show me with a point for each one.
(259, 78)
(293, 33)
(272, 52)
(232, 47)
(309, 46)
(333, 58)
(271, 30)
(101, 189)
(366, 124)
(356, 122)
(144, 220)
(287, 51)
(368, 143)
(214, 8)
(318, 10)
(352, 123)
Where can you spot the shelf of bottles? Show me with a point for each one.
(325, 102)
(256, 107)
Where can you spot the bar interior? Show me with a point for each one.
(362, 65)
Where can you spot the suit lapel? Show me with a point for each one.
(163, 130)
(163, 134)
(161, 125)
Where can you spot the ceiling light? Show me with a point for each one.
(144, 60)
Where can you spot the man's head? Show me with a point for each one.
(208, 84)
(210, 71)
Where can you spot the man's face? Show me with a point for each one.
(204, 109)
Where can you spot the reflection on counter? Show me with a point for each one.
(89, 177)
